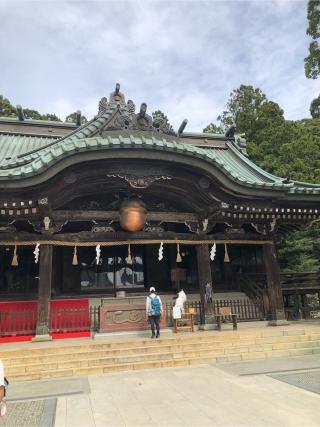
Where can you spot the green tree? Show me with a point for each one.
(51, 117)
(300, 251)
(315, 108)
(159, 113)
(32, 114)
(213, 128)
(242, 110)
(312, 61)
(72, 118)
(6, 108)
(285, 148)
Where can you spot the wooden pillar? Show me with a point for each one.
(204, 275)
(44, 292)
(274, 287)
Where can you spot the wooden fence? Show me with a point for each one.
(69, 320)
(18, 322)
(245, 309)
(300, 281)
(23, 322)
(168, 309)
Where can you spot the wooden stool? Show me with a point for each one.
(188, 317)
(224, 312)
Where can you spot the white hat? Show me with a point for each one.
(152, 289)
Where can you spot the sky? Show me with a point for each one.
(182, 57)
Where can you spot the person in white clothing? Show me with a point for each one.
(3, 405)
(179, 303)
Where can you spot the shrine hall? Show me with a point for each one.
(104, 210)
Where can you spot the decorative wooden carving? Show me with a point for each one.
(140, 181)
(124, 317)
(137, 179)
(43, 202)
(266, 227)
(194, 227)
(235, 229)
(102, 229)
(153, 228)
(161, 124)
(103, 104)
(123, 117)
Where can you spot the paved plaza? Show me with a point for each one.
(276, 392)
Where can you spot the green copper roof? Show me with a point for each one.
(12, 146)
(117, 132)
(228, 161)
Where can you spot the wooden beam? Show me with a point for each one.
(79, 215)
(89, 238)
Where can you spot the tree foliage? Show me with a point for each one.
(312, 61)
(315, 108)
(9, 110)
(6, 108)
(285, 148)
(242, 108)
(72, 118)
(300, 251)
(289, 149)
(159, 113)
(213, 128)
(51, 117)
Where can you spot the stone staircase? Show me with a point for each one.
(33, 361)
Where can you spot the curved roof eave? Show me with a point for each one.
(34, 168)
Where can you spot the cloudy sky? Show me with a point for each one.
(183, 57)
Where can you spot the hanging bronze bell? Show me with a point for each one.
(132, 215)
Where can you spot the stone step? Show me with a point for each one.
(151, 364)
(234, 337)
(104, 359)
(54, 359)
(92, 353)
(94, 350)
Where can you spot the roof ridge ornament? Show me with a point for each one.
(117, 96)
(122, 116)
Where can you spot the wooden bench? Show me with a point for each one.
(186, 323)
(225, 312)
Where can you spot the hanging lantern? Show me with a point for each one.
(36, 253)
(178, 259)
(132, 215)
(129, 259)
(226, 255)
(213, 251)
(75, 256)
(14, 261)
(160, 256)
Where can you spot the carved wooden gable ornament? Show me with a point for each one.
(121, 115)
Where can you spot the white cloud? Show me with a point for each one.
(183, 57)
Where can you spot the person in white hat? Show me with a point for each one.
(154, 312)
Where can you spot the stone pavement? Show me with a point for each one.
(234, 394)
